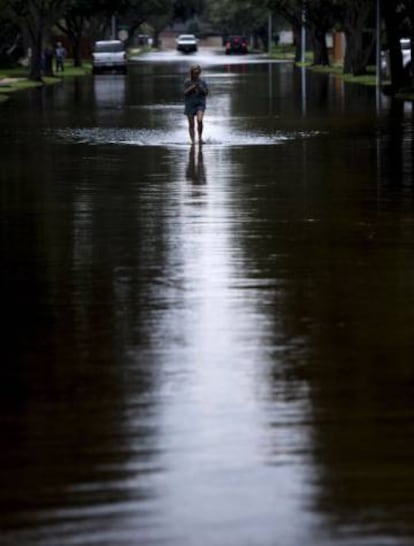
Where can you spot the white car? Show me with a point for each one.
(109, 55)
(187, 43)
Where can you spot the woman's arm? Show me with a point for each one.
(204, 88)
(189, 88)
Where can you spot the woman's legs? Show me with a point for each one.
(200, 115)
(191, 127)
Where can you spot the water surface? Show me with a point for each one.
(207, 345)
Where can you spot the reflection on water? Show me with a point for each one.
(206, 344)
(196, 171)
(109, 91)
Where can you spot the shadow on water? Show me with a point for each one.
(206, 344)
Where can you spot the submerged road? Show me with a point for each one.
(207, 346)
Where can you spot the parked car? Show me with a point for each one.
(406, 57)
(236, 44)
(109, 55)
(187, 43)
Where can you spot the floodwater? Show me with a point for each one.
(207, 346)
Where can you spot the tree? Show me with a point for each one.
(82, 16)
(394, 14)
(240, 16)
(320, 18)
(291, 10)
(134, 13)
(73, 25)
(10, 40)
(183, 10)
(406, 13)
(36, 18)
(357, 14)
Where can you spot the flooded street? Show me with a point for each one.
(207, 346)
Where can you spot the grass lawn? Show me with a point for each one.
(70, 70)
(283, 52)
(287, 52)
(16, 79)
(134, 51)
(11, 84)
(406, 93)
(337, 69)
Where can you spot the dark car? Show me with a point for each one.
(236, 44)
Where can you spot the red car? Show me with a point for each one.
(236, 44)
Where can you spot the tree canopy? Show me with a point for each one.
(78, 18)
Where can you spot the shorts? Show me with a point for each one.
(192, 109)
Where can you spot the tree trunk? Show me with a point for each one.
(74, 29)
(133, 27)
(393, 37)
(264, 37)
(295, 20)
(357, 52)
(156, 38)
(77, 60)
(36, 39)
(356, 55)
(297, 33)
(47, 61)
(320, 49)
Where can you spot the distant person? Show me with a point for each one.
(60, 56)
(195, 93)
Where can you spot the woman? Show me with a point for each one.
(195, 93)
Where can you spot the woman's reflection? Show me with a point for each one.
(196, 171)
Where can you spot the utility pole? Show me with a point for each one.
(269, 32)
(303, 35)
(378, 51)
(303, 58)
(113, 27)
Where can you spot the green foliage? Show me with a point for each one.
(283, 52)
(35, 18)
(35, 12)
(183, 10)
(237, 16)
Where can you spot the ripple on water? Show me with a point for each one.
(159, 137)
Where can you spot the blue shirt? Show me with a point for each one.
(196, 99)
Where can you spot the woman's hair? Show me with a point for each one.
(194, 68)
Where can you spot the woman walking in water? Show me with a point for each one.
(195, 93)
